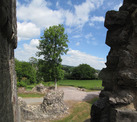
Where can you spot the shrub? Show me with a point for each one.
(21, 84)
(83, 72)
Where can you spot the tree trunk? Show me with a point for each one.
(56, 84)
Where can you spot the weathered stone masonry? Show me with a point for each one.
(118, 101)
(8, 42)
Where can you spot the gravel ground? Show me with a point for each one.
(70, 94)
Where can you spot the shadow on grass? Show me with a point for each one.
(91, 97)
(96, 88)
(93, 100)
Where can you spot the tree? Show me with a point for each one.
(67, 71)
(83, 72)
(25, 71)
(33, 61)
(52, 45)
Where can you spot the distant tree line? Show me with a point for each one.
(35, 71)
(81, 72)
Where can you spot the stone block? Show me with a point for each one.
(115, 19)
(112, 61)
(117, 37)
(130, 2)
(3, 18)
(106, 74)
(126, 59)
(127, 78)
(99, 111)
(119, 115)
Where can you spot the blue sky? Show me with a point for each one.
(83, 21)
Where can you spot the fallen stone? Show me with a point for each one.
(40, 88)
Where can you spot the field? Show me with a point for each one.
(87, 84)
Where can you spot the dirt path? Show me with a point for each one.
(70, 94)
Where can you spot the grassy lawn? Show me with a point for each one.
(80, 112)
(30, 95)
(87, 84)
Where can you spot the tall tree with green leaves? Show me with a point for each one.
(52, 45)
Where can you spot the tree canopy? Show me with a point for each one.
(25, 72)
(52, 45)
(83, 72)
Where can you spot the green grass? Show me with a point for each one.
(80, 112)
(87, 84)
(29, 87)
(30, 95)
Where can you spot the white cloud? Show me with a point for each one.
(88, 36)
(113, 4)
(27, 31)
(91, 24)
(81, 13)
(76, 36)
(70, 18)
(28, 50)
(75, 57)
(78, 43)
(31, 48)
(34, 42)
(37, 11)
(98, 3)
(118, 6)
(97, 19)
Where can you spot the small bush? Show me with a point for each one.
(21, 84)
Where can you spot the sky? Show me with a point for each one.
(83, 21)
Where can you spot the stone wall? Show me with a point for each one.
(8, 42)
(118, 101)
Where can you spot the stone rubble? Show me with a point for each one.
(52, 107)
(40, 88)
